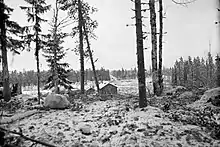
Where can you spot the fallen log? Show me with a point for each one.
(17, 117)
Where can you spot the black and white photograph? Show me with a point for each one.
(109, 73)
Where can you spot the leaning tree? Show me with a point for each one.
(80, 12)
(88, 31)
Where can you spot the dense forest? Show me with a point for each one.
(196, 72)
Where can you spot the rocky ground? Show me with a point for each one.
(98, 121)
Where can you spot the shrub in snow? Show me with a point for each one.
(176, 90)
(186, 95)
(56, 101)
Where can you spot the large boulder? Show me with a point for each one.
(210, 97)
(213, 96)
(86, 129)
(56, 101)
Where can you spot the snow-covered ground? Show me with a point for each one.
(112, 123)
(117, 122)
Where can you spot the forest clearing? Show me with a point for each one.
(168, 97)
(94, 120)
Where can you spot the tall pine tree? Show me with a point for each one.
(36, 8)
(55, 52)
(140, 55)
(160, 74)
(217, 71)
(5, 75)
(79, 11)
(9, 32)
(154, 57)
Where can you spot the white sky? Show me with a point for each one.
(189, 30)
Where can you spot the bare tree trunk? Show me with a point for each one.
(55, 78)
(91, 57)
(140, 56)
(82, 72)
(217, 71)
(218, 58)
(5, 73)
(38, 76)
(160, 74)
(154, 46)
(37, 57)
(218, 4)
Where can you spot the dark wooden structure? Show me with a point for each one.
(108, 89)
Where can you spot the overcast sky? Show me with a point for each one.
(189, 30)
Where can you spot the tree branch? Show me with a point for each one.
(27, 138)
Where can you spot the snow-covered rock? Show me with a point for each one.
(86, 129)
(56, 101)
(212, 95)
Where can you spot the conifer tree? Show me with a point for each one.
(153, 24)
(58, 70)
(140, 55)
(191, 73)
(8, 30)
(160, 74)
(217, 70)
(202, 70)
(79, 11)
(5, 73)
(34, 10)
(185, 73)
(54, 53)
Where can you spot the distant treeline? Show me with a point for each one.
(28, 78)
(102, 74)
(125, 74)
(132, 73)
(196, 72)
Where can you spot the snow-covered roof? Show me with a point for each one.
(104, 84)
